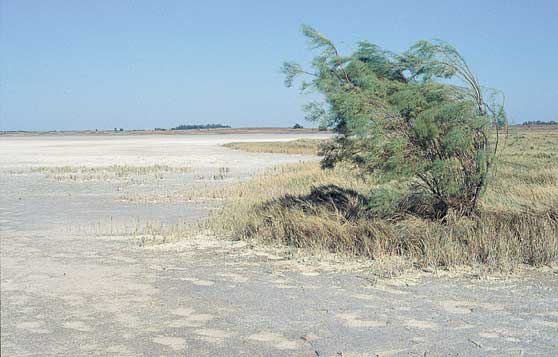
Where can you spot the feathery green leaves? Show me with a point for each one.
(419, 118)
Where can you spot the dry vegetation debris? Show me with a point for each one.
(303, 206)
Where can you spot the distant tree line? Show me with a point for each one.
(541, 122)
(200, 126)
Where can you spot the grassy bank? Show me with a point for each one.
(300, 146)
(303, 206)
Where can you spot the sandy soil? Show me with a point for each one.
(77, 280)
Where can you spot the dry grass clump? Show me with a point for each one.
(529, 239)
(101, 173)
(140, 232)
(303, 206)
(299, 146)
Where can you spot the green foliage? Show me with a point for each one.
(200, 126)
(298, 126)
(384, 201)
(419, 117)
(540, 122)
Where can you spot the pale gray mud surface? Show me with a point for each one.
(75, 280)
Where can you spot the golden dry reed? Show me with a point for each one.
(518, 222)
(300, 146)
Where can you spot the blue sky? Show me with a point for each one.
(144, 64)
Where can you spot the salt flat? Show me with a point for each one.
(76, 280)
(201, 150)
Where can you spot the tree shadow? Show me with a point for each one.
(343, 201)
(353, 205)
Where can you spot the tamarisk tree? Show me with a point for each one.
(419, 119)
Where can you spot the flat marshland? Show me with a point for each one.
(179, 245)
(303, 206)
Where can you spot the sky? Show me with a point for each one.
(74, 65)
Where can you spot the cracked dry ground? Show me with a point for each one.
(75, 283)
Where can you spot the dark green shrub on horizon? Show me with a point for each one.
(540, 122)
(200, 126)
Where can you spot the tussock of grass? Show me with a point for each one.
(518, 222)
(96, 173)
(300, 146)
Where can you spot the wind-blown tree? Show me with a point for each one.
(419, 119)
